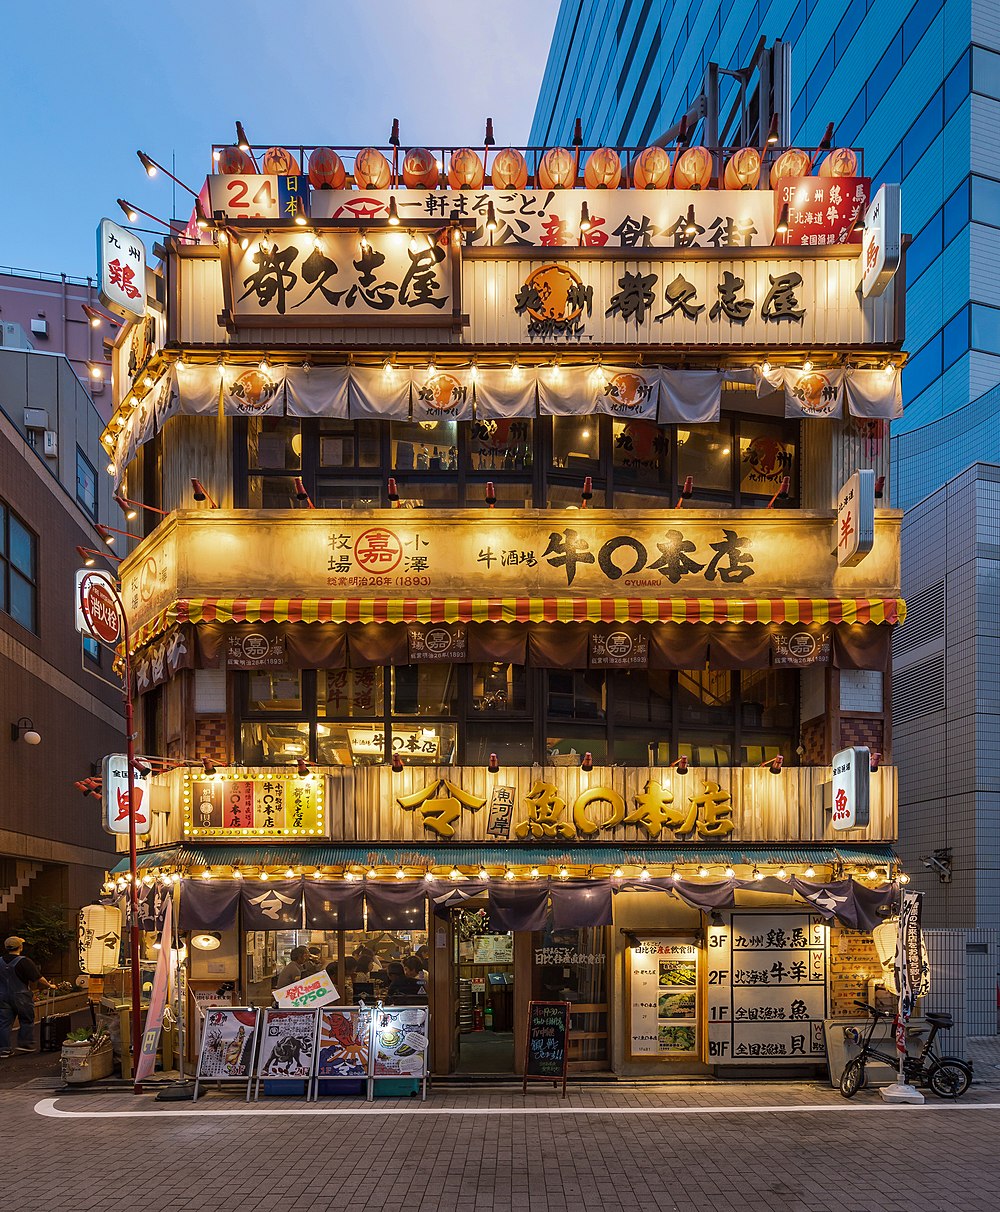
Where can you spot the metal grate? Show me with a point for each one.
(924, 620)
(918, 690)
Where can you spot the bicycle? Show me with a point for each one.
(947, 1076)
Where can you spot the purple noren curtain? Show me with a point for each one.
(582, 903)
(208, 904)
(271, 904)
(518, 907)
(393, 906)
(334, 906)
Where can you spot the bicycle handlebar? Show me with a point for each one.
(873, 1010)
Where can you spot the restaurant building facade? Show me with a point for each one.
(499, 611)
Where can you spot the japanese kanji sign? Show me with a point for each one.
(254, 807)
(121, 270)
(821, 210)
(284, 275)
(114, 793)
(851, 787)
(856, 518)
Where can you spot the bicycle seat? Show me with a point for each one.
(939, 1020)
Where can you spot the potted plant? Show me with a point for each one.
(86, 1055)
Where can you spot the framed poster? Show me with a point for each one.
(227, 1046)
(399, 1043)
(664, 1010)
(343, 1043)
(287, 1046)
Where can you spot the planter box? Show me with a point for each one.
(80, 1063)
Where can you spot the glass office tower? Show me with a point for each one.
(917, 85)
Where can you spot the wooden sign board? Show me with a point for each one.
(546, 1052)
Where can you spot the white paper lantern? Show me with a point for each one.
(99, 933)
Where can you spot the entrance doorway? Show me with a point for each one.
(484, 993)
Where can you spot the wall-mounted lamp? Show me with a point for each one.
(588, 491)
(25, 730)
(494, 764)
(201, 493)
(301, 494)
(393, 213)
(774, 764)
(782, 228)
(206, 940)
(491, 495)
(772, 132)
(587, 761)
(784, 488)
(680, 765)
(397, 764)
(686, 492)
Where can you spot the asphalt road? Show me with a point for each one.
(787, 1147)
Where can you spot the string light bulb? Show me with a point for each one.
(702, 872)
(810, 872)
(483, 873)
(455, 874)
(534, 873)
(400, 873)
(729, 873)
(372, 873)
(429, 876)
(781, 873)
(264, 875)
(757, 875)
(644, 873)
(508, 874)
(618, 873)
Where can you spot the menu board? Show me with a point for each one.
(343, 1041)
(663, 980)
(546, 1051)
(767, 989)
(399, 1040)
(227, 1045)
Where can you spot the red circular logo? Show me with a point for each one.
(378, 550)
(100, 610)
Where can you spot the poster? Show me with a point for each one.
(767, 988)
(399, 1039)
(343, 1042)
(228, 1044)
(310, 991)
(286, 1043)
(664, 998)
(493, 949)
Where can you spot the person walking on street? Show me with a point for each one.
(17, 975)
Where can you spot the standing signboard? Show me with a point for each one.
(856, 518)
(227, 1049)
(546, 1053)
(287, 1047)
(343, 1045)
(399, 1045)
(852, 787)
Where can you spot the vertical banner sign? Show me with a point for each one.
(881, 241)
(911, 968)
(851, 787)
(114, 795)
(546, 1052)
(121, 270)
(856, 518)
(163, 979)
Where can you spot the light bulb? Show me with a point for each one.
(455, 874)
(702, 872)
(644, 874)
(508, 874)
(729, 873)
(810, 872)
(264, 876)
(400, 873)
(618, 873)
(483, 873)
(534, 873)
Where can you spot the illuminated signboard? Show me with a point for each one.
(254, 806)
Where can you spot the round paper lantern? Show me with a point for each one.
(743, 169)
(693, 169)
(651, 169)
(326, 169)
(371, 169)
(841, 162)
(557, 169)
(792, 163)
(279, 160)
(510, 169)
(99, 933)
(465, 170)
(234, 161)
(420, 170)
(603, 169)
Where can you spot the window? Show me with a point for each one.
(91, 649)
(886, 71)
(985, 328)
(956, 86)
(955, 213)
(985, 201)
(924, 131)
(575, 443)
(955, 337)
(19, 569)
(926, 247)
(923, 368)
(86, 484)
(986, 72)
(915, 26)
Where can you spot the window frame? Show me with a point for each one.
(9, 569)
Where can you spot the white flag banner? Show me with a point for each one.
(443, 395)
(167, 402)
(198, 388)
(814, 393)
(502, 393)
(567, 391)
(145, 419)
(316, 391)
(874, 393)
(627, 392)
(248, 391)
(376, 393)
(690, 397)
(769, 379)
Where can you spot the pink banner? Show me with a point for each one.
(162, 981)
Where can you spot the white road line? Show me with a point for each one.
(47, 1107)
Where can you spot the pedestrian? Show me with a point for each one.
(17, 975)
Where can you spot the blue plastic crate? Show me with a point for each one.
(339, 1086)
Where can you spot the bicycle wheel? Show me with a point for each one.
(949, 1079)
(854, 1077)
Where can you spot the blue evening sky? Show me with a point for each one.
(86, 82)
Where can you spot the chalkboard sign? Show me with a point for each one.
(545, 1054)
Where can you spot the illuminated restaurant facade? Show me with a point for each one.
(499, 609)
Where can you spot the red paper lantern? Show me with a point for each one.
(651, 169)
(791, 163)
(326, 169)
(557, 169)
(371, 169)
(841, 162)
(510, 169)
(465, 170)
(279, 161)
(234, 161)
(742, 169)
(603, 169)
(420, 170)
(693, 169)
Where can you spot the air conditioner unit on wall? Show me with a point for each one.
(39, 327)
(51, 447)
(36, 418)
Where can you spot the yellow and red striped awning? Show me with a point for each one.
(522, 610)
